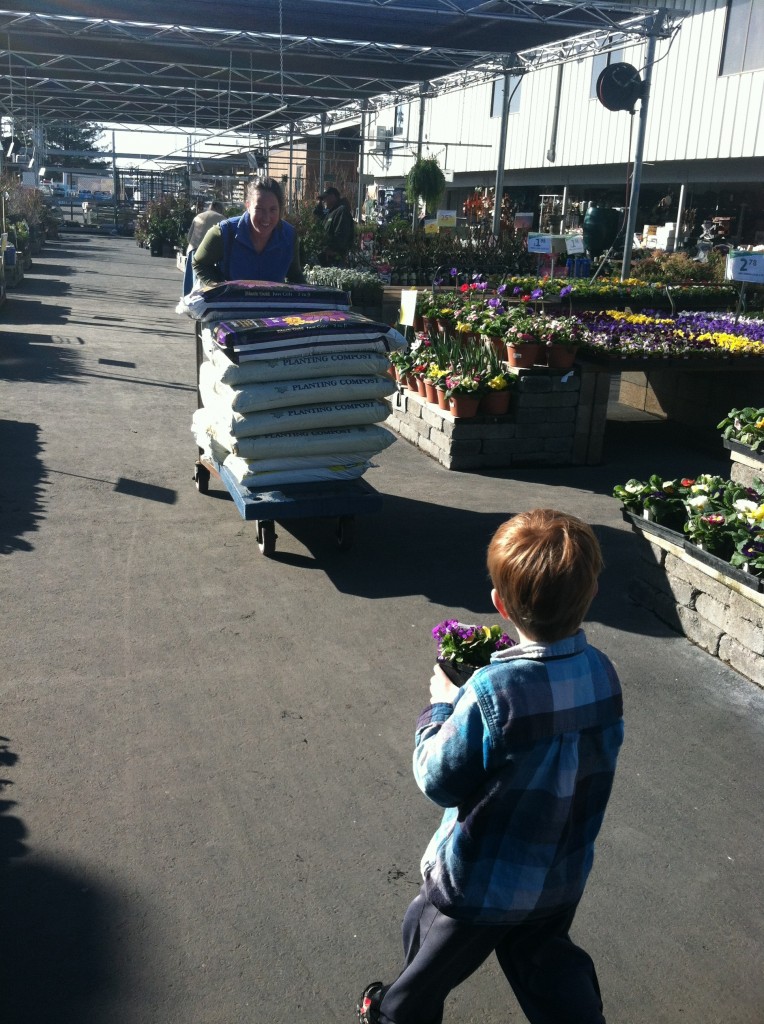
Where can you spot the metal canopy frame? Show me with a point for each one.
(281, 66)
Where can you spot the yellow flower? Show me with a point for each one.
(498, 383)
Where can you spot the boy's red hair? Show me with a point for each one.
(544, 565)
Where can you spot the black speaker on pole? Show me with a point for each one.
(619, 87)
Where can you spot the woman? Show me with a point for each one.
(258, 246)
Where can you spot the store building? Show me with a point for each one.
(703, 143)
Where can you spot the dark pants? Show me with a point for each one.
(554, 981)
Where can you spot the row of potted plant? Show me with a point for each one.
(717, 515)
(462, 377)
(608, 334)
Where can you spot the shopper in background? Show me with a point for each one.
(212, 214)
(257, 246)
(338, 226)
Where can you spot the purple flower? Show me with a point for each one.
(517, 291)
(438, 281)
(454, 271)
(501, 289)
(566, 290)
(537, 293)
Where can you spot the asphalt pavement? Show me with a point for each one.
(208, 813)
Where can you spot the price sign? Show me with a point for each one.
(745, 266)
(542, 243)
(539, 243)
(575, 245)
(408, 307)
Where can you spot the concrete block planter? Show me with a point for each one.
(555, 419)
(747, 465)
(716, 606)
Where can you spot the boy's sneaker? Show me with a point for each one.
(368, 1005)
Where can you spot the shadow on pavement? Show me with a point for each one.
(38, 357)
(22, 477)
(57, 961)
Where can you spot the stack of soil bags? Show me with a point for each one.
(294, 397)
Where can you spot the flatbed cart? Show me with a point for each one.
(339, 499)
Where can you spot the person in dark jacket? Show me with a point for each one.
(338, 225)
(257, 246)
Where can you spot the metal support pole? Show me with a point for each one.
(680, 214)
(322, 155)
(564, 209)
(290, 203)
(499, 184)
(361, 150)
(420, 136)
(636, 180)
(115, 179)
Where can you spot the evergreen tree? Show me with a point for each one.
(62, 135)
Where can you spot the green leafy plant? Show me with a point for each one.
(427, 180)
(746, 426)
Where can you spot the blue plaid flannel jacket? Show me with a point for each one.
(523, 761)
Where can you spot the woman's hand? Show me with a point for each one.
(442, 690)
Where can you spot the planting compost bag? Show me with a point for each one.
(312, 364)
(228, 423)
(249, 475)
(361, 439)
(368, 439)
(280, 394)
(268, 336)
(261, 295)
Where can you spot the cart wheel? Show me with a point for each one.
(266, 536)
(345, 532)
(202, 479)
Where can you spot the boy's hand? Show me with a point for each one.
(442, 690)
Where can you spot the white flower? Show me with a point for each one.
(744, 505)
(699, 502)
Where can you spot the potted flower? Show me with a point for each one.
(462, 648)
(401, 363)
(660, 501)
(744, 427)
(562, 336)
(464, 390)
(524, 343)
(498, 384)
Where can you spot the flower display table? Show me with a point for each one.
(716, 606)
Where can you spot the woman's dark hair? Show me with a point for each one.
(266, 185)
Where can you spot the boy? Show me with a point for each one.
(523, 758)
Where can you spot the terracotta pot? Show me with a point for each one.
(525, 355)
(463, 406)
(431, 392)
(497, 343)
(445, 327)
(412, 383)
(560, 357)
(421, 390)
(418, 324)
(442, 400)
(495, 403)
